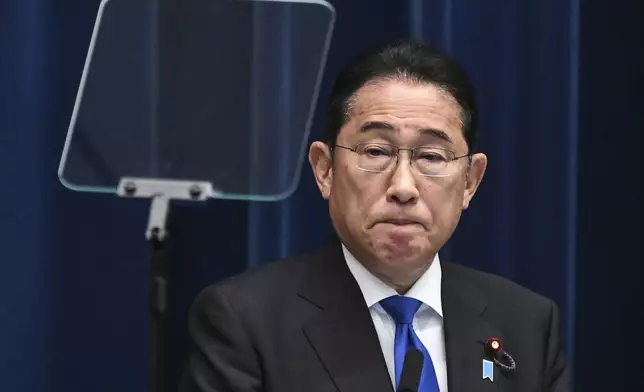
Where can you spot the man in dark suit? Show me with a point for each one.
(398, 167)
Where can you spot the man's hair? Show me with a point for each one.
(405, 61)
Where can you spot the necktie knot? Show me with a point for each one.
(401, 309)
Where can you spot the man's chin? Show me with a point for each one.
(401, 248)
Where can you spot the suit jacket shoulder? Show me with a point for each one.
(263, 286)
(497, 290)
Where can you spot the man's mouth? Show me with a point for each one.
(400, 222)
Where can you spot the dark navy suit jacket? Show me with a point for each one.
(301, 325)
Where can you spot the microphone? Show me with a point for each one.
(411, 371)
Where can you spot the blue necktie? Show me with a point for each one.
(402, 310)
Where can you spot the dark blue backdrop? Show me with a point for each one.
(560, 86)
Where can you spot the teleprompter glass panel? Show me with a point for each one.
(210, 90)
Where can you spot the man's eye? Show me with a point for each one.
(432, 157)
(375, 152)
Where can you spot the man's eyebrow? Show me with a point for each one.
(381, 125)
(437, 133)
(376, 125)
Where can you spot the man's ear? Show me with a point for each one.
(474, 177)
(322, 165)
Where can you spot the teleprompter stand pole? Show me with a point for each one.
(161, 192)
(157, 293)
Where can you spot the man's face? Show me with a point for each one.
(395, 221)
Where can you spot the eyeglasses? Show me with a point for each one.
(428, 161)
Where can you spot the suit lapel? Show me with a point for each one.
(342, 333)
(466, 333)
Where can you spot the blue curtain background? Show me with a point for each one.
(560, 87)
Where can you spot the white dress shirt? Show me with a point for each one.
(428, 321)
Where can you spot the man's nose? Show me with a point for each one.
(402, 188)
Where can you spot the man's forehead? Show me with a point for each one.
(405, 105)
(380, 126)
(409, 101)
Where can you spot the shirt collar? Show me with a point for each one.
(427, 288)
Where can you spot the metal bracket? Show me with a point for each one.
(161, 192)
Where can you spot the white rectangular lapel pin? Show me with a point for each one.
(488, 370)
